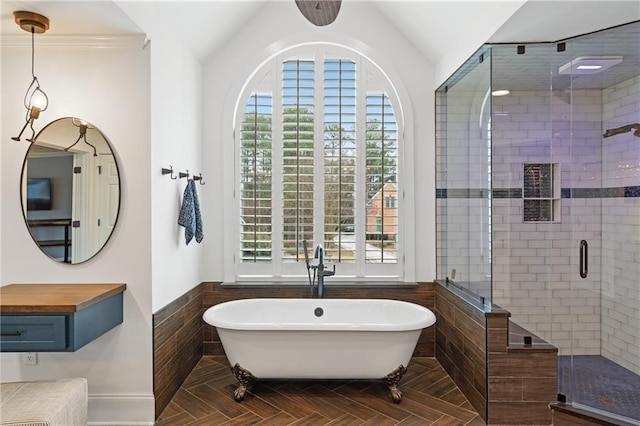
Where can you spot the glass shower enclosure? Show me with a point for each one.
(538, 201)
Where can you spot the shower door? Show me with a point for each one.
(600, 212)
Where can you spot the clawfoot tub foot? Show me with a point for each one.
(245, 378)
(392, 380)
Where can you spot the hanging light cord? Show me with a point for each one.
(34, 93)
(35, 84)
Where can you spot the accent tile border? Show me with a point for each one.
(473, 193)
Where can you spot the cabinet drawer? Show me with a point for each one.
(22, 333)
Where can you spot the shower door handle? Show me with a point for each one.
(584, 258)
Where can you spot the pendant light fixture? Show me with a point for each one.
(35, 99)
(319, 12)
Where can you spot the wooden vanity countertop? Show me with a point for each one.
(60, 298)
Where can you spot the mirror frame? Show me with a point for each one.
(22, 190)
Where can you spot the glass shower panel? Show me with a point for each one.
(463, 164)
(463, 173)
(601, 71)
(526, 173)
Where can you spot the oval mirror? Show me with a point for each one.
(70, 190)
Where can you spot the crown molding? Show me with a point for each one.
(77, 41)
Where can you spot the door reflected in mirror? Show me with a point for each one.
(70, 190)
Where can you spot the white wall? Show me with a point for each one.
(360, 27)
(176, 140)
(107, 83)
(488, 21)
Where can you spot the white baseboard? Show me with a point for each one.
(121, 410)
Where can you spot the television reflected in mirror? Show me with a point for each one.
(39, 194)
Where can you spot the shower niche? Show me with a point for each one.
(538, 202)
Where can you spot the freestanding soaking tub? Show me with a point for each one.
(319, 338)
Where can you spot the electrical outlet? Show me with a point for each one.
(31, 358)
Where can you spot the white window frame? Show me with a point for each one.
(295, 271)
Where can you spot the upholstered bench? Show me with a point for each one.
(60, 402)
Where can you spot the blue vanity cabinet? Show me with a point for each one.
(57, 317)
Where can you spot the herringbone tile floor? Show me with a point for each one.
(430, 397)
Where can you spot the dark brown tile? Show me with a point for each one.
(222, 402)
(245, 419)
(497, 339)
(497, 320)
(348, 420)
(315, 398)
(349, 405)
(280, 419)
(505, 389)
(419, 409)
(523, 364)
(415, 421)
(540, 389)
(437, 388)
(380, 420)
(209, 420)
(476, 422)
(449, 421)
(440, 406)
(171, 410)
(313, 419)
(521, 413)
(456, 397)
(179, 419)
(192, 405)
(379, 399)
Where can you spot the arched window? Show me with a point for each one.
(318, 156)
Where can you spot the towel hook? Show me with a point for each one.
(199, 177)
(169, 171)
(183, 175)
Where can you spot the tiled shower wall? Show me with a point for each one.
(535, 272)
(621, 228)
(534, 266)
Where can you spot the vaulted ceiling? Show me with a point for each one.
(434, 26)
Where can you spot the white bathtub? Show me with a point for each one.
(319, 338)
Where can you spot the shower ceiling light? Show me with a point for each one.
(500, 92)
(589, 64)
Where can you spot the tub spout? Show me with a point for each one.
(321, 270)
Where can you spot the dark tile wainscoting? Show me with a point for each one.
(505, 380)
(181, 337)
(177, 345)
(515, 386)
(461, 346)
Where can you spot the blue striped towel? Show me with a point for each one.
(190, 216)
